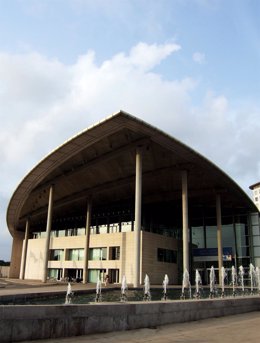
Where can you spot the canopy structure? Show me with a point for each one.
(100, 162)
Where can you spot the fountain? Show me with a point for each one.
(252, 277)
(147, 294)
(185, 284)
(165, 284)
(98, 291)
(123, 289)
(223, 276)
(69, 295)
(212, 280)
(257, 274)
(63, 320)
(198, 282)
(234, 280)
(241, 276)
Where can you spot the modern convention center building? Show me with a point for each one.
(124, 198)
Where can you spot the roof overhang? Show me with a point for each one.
(100, 161)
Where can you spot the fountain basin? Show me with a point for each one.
(111, 295)
(29, 322)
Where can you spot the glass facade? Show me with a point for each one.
(75, 254)
(54, 273)
(95, 274)
(255, 229)
(198, 237)
(56, 254)
(235, 238)
(114, 253)
(240, 233)
(166, 255)
(98, 254)
(211, 236)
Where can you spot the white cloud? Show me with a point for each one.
(147, 56)
(199, 57)
(44, 102)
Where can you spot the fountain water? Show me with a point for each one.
(257, 274)
(69, 295)
(241, 276)
(223, 276)
(165, 284)
(198, 282)
(98, 291)
(212, 281)
(252, 277)
(185, 284)
(123, 289)
(234, 279)
(147, 294)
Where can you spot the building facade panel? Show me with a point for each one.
(159, 257)
(34, 259)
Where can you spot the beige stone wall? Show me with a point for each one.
(125, 241)
(4, 271)
(150, 265)
(127, 256)
(16, 255)
(34, 259)
(73, 242)
(156, 270)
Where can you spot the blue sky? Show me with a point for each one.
(190, 67)
(226, 32)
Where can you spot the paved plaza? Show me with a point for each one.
(242, 328)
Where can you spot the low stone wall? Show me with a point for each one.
(28, 322)
(4, 271)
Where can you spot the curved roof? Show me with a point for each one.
(100, 162)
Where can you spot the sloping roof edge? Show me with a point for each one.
(57, 156)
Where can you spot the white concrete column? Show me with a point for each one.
(88, 221)
(185, 228)
(48, 234)
(24, 252)
(219, 235)
(137, 227)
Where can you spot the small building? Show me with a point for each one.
(124, 198)
(256, 194)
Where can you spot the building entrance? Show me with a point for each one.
(113, 275)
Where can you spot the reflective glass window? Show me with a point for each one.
(114, 253)
(198, 236)
(81, 231)
(211, 237)
(61, 233)
(167, 255)
(256, 240)
(228, 237)
(255, 219)
(255, 230)
(241, 234)
(243, 251)
(76, 254)
(56, 254)
(98, 254)
(256, 251)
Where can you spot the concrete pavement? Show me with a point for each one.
(241, 328)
